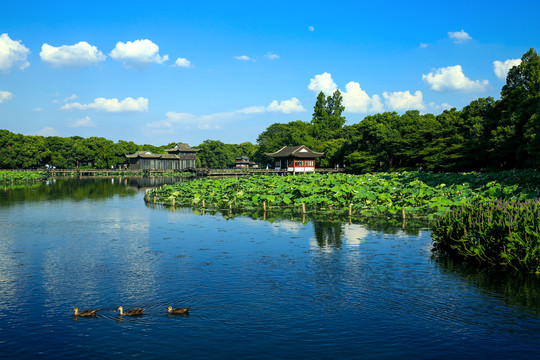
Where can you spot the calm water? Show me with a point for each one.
(258, 289)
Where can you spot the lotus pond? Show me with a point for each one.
(411, 194)
(263, 286)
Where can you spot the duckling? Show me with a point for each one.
(132, 312)
(178, 311)
(85, 313)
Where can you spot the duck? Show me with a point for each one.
(132, 312)
(85, 313)
(178, 311)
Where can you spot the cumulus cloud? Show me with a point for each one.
(84, 122)
(111, 105)
(138, 53)
(324, 83)
(12, 54)
(355, 99)
(182, 62)
(78, 55)
(243, 58)
(501, 68)
(459, 36)
(403, 100)
(286, 106)
(5, 96)
(423, 45)
(452, 78)
(47, 131)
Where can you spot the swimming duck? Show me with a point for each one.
(132, 312)
(85, 313)
(178, 311)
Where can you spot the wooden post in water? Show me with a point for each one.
(155, 198)
(173, 202)
(303, 208)
(350, 210)
(264, 206)
(203, 204)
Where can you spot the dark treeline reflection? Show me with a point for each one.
(520, 289)
(80, 188)
(73, 189)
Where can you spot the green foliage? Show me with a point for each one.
(327, 116)
(382, 194)
(20, 176)
(493, 233)
(218, 155)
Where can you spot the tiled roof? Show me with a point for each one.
(182, 148)
(300, 151)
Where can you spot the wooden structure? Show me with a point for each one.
(180, 157)
(295, 159)
(244, 163)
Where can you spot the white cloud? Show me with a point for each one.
(213, 121)
(47, 131)
(84, 122)
(355, 99)
(5, 96)
(376, 104)
(182, 62)
(403, 100)
(271, 56)
(452, 78)
(459, 36)
(138, 53)
(111, 105)
(423, 45)
(38, 109)
(72, 97)
(311, 28)
(12, 54)
(286, 106)
(324, 83)
(501, 68)
(78, 55)
(243, 58)
(252, 110)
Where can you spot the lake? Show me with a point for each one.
(258, 288)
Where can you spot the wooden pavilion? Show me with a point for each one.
(295, 158)
(180, 157)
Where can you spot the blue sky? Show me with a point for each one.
(173, 71)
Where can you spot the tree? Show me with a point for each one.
(327, 116)
(512, 143)
(278, 135)
(216, 154)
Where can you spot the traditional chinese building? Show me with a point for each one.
(244, 163)
(295, 158)
(180, 157)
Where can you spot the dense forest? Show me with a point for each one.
(486, 134)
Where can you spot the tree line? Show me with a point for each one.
(487, 133)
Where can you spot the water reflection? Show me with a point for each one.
(330, 230)
(516, 288)
(80, 189)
